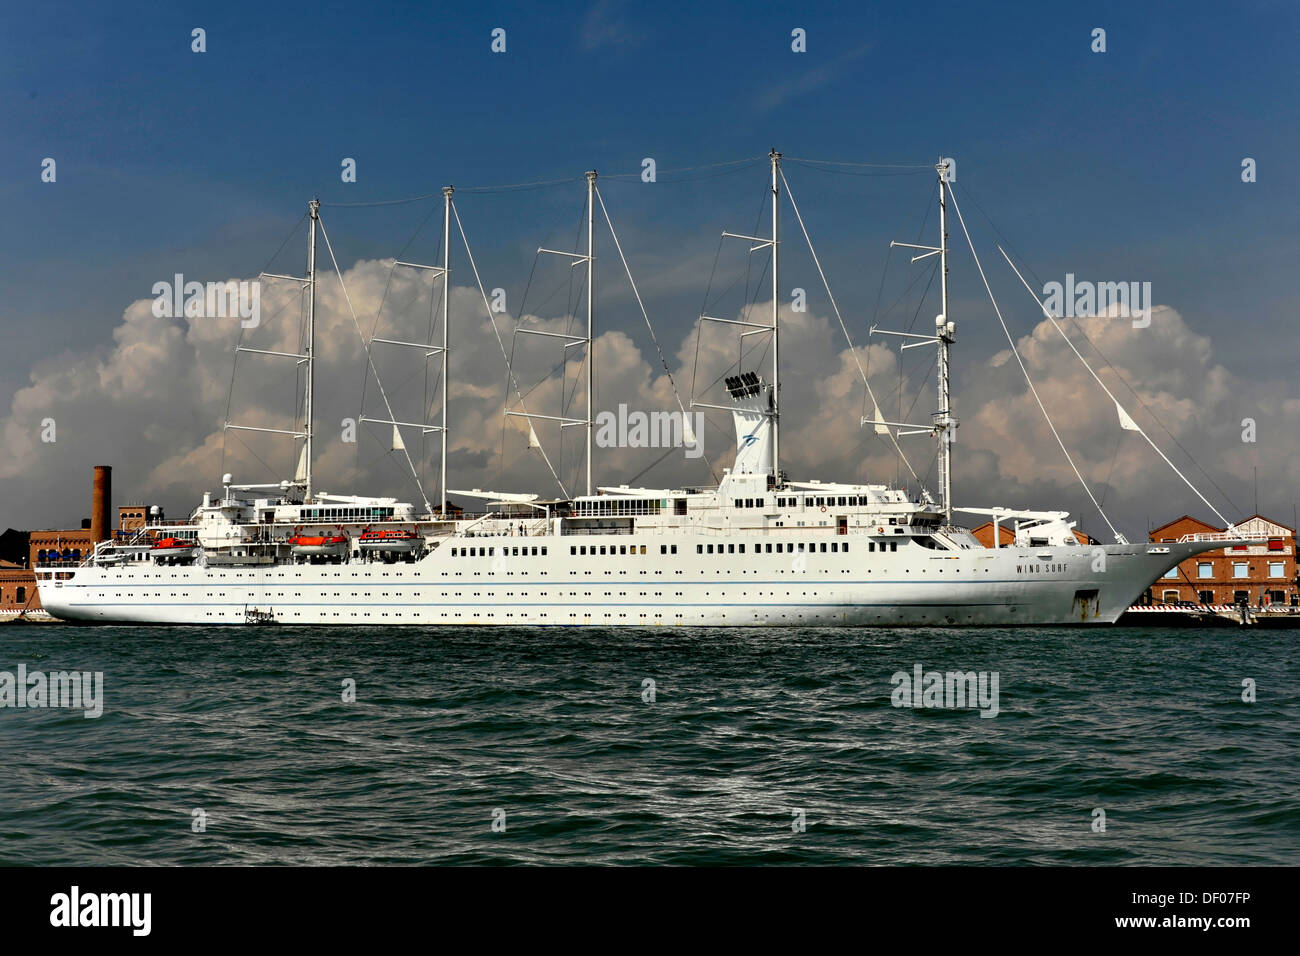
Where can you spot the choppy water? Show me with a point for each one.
(747, 726)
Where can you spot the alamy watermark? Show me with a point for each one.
(81, 690)
(77, 908)
(240, 299)
(650, 430)
(1084, 299)
(952, 690)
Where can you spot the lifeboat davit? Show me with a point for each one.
(391, 539)
(314, 546)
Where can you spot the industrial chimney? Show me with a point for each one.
(100, 526)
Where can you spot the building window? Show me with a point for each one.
(1240, 597)
(1240, 569)
(1172, 572)
(1206, 597)
(20, 595)
(1276, 569)
(1205, 570)
(1169, 596)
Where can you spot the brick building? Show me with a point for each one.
(1261, 572)
(23, 551)
(17, 588)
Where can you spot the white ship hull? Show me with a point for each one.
(913, 586)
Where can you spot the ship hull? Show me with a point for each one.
(911, 587)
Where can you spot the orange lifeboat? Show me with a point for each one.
(174, 544)
(390, 539)
(325, 545)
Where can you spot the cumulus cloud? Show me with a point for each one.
(154, 403)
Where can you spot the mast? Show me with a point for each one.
(944, 336)
(776, 345)
(591, 289)
(446, 307)
(313, 209)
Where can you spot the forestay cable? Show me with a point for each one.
(1019, 361)
(1125, 418)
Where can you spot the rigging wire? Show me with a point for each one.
(653, 338)
(843, 327)
(371, 362)
(1110, 395)
(1109, 364)
(1019, 361)
(500, 343)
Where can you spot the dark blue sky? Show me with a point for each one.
(1122, 165)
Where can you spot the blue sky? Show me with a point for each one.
(1117, 165)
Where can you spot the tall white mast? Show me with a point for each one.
(944, 329)
(446, 308)
(943, 426)
(776, 344)
(313, 208)
(591, 290)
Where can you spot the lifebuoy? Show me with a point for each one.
(823, 507)
(880, 531)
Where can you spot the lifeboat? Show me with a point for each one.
(318, 546)
(391, 539)
(174, 544)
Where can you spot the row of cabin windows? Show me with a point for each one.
(830, 501)
(784, 548)
(491, 552)
(619, 506)
(581, 549)
(345, 514)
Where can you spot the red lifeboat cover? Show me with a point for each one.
(172, 543)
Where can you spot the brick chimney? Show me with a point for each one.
(100, 526)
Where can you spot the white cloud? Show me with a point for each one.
(153, 406)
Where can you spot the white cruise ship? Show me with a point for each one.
(757, 549)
